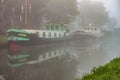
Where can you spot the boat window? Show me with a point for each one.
(57, 27)
(95, 29)
(44, 34)
(64, 34)
(37, 34)
(55, 35)
(67, 30)
(49, 34)
(59, 34)
(52, 27)
(47, 27)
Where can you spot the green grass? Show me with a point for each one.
(110, 71)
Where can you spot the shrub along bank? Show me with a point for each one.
(110, 71)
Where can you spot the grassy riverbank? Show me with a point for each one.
(110, 71)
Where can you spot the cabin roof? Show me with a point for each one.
(17, 30)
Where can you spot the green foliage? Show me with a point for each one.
(110, 71)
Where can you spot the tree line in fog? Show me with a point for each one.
(51, 11)
(40, 11)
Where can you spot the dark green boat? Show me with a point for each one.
(51, 34)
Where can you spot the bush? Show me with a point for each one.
(110, 71)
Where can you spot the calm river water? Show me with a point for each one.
(58, 61)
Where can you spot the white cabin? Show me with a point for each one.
(51, 31)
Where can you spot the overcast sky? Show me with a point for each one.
(113, 6)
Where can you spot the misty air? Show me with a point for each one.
(59, 40)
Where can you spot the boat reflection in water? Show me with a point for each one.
(17, 56)
(41, 62)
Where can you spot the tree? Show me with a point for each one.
(61, 11)
(53, 11)
(93, 13)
